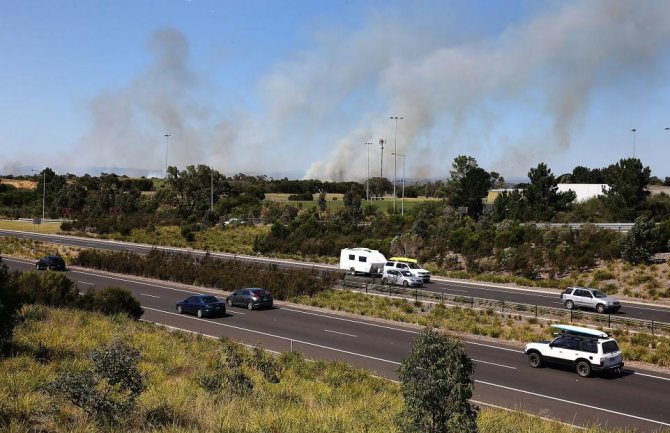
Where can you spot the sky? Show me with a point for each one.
(297, 88)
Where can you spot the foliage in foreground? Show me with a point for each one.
(437, 381)
(188, 389)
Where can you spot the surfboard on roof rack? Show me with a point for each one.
(579, 330)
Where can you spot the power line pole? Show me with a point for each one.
(167, 140)
(381, 167)
(367, 184)
(395, 156)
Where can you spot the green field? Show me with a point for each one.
(28, 226)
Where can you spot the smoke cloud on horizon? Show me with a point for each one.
(319, 107)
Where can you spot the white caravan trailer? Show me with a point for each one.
(362, 260)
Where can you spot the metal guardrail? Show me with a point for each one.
(540, 312)
(619, 227)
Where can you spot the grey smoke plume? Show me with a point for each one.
(320, 106)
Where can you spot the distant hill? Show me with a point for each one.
(21, 184)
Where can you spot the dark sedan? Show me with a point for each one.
(55, 263)
(250, 298)
(202, 306)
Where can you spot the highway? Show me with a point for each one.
(503, 378)
(542, 297)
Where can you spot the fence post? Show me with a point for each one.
(570, 316)
(535, 310)
(502, 307)
(652, 327)
(442, 298)
(366, 288)
(416, 294)
(609, 320)
(472, 302)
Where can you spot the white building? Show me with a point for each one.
(584, 191)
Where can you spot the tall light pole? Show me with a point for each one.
(634, 131)
(367, 183)
(395, 159)
(44, 189)
(402, 202)
(211, 185)
(167, 140)
(381, 167)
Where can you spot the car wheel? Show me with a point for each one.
(384, 281)
(250, 305)
(405, 284)
(535, 360)
(583, 369)
(199, 313)
(569, 305)
(229, 302)
(600, 308)
(179, 309)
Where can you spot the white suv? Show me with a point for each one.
(403, 264)
(584, 349)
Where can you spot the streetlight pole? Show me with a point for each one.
(381, 167)
(167, 140)
(367, 183)
(634, 131)
(44, 189)
(402, 201)
(211, 197)
(395, 159)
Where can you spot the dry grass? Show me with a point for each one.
(20, 184)
(28, 226)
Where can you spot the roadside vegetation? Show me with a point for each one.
(191, 383)
(446, 224)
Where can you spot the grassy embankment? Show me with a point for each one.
(28, 226)
(309, 397)
(335, 201)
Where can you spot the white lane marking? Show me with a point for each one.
(151, 296)
(649, 375)
(474, 343)
(85, 282)
(574, 402)
(493, 363)
(279, 337)
(341, 333)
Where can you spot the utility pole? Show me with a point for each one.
(211, 179)
(381, 168)
(402, 201)
(634, 131)
(367, 183)
(395, 158)
(167, 140)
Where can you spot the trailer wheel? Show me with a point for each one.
(352, 271)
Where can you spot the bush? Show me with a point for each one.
(107, 391)
(10, 304)
(112, 300)
(48, 288)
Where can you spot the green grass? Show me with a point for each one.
(311, 397)
(28, 226)
(30, 249)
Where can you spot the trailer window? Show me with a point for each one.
(352, 257)
(362, 259)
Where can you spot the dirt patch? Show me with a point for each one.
(20, 184)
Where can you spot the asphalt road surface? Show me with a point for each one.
(545, 298)
(503, 377)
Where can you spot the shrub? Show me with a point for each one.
(107, 391)
(10, 303)
(112, 300)
(49, 288)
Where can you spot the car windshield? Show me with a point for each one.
(414, 266)
(610, 347)
(209, 299)
(598, 294)
(407, 273)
